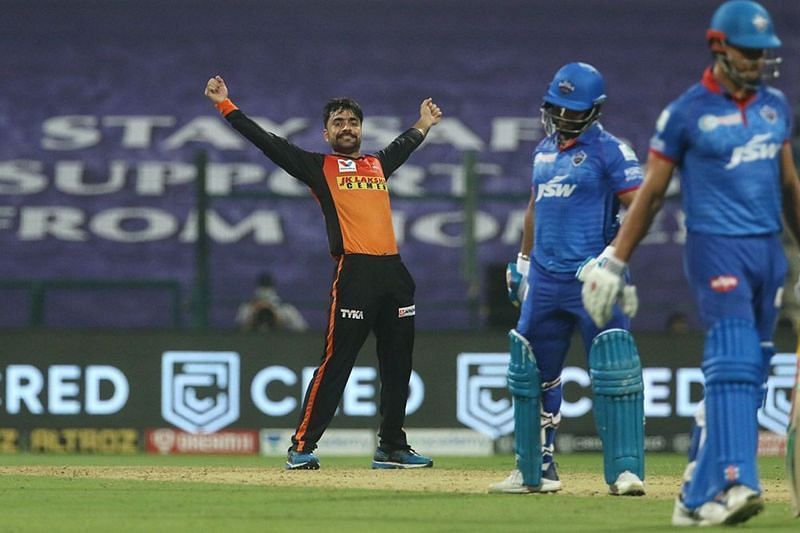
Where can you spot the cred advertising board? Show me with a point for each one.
(205, 384)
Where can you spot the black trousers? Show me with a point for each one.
(369, 293)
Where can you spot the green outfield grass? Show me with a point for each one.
(57, 503)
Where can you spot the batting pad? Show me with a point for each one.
(618, 402)
(733, 372)
(524, 384)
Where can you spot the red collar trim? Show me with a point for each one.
(710, 82)
(567, 145)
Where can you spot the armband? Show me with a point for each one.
(226, 107)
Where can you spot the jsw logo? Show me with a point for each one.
(355, 314)
(755, 149)
(555, 189)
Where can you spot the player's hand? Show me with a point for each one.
(216, 90)
(629, 300)
(584, 268)
(429, 113)
(603, 286)
(517, 280)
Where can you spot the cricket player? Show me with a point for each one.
(581, 176)
(729, 136)
(372, 289)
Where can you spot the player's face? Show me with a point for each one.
(748, 62)
(565, 119)
(343, 132)
(567, 122)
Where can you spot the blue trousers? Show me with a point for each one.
(550, 313)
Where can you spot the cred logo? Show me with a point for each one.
(200, 390)
(724, 283)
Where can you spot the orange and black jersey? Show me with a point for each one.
(352, 192)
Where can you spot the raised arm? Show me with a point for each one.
(301, 164)
(398, 151)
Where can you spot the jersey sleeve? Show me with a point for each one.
(398, 150)
(622, 167)
(669, 139)
(303, 165)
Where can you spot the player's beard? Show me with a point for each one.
(745, 74)
(346, 144)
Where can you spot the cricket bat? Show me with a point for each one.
(793, 444)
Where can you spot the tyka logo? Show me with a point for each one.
(354, 314)
(479, 375)
(774, 414)
(200, 390)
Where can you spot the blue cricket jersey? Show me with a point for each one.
(728, 153)
(576, 206)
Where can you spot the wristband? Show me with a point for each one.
(226, 107)
(608, 261)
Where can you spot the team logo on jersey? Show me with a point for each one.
(346, 165)
(565, 87)
(711, 122)
(724, 283)
(362, 183)
(555, 189)
(578, 158)
(755, 149)
(769, 114)
(403, 312)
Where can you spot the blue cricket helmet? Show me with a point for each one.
(744, 24)
(576, 86)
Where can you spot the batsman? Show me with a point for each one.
(581, 176)
(729, 136)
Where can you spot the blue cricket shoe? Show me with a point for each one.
(301, 461)
(402, 458)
